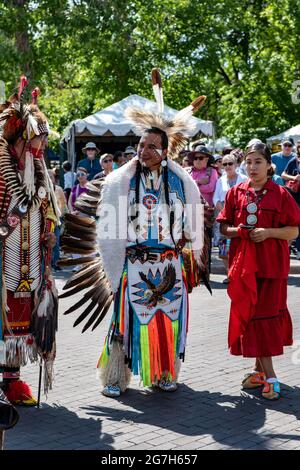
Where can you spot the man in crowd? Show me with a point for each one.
(90, 163)
(281, 159)
(129, 153)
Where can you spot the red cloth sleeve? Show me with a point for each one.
(290, 212)
(226, 215)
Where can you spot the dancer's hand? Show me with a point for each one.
(258, 235)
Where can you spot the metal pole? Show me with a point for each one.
(40, 383)
(214, 138)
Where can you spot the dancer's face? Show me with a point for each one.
(257, 167)
(38, 145)
(150, 151)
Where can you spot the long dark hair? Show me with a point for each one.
(139, 169)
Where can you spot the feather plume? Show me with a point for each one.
(178, 130)
(23, 84)
(80, 251)
(35, 93)
(187, 113)
(85, 221)
(74, 261)
(157, 90)
(90, 294)
(80, 277)
(77, 243)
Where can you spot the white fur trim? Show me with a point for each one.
(113, 207)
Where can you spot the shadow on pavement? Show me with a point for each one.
(231, 420)
(55, 427)
(294, 281)
(218, 285)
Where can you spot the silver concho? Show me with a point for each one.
(23, 208)
(251, 219)
(252, 208)
(42, 192)
(4, 231)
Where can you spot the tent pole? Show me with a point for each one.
(214, 138)
(72, 151)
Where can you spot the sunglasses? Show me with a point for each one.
(81, 174)
(287, 145)
(228, 164)
(200, 158)
(107, 161)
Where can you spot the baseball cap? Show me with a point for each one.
(288, 140)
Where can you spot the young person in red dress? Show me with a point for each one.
(259, 217)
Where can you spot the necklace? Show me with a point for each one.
(252, 205)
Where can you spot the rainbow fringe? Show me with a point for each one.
(153, 347)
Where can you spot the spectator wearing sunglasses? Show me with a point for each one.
(230, 178)
(129, 153)
(82, 177)
(281, 159)
(202, 172)
(106, 161)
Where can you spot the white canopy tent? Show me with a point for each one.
(111, 121)
(293, 132)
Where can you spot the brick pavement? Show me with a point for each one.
(209, 411)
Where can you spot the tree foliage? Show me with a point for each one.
(87, 54)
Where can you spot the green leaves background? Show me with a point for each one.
(85, 55)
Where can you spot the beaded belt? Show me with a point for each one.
(146, 253)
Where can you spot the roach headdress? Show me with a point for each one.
(19, 119)
(24, 120)
(178, 130)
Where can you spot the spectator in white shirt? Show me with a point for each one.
(229, 179)
(69, 179)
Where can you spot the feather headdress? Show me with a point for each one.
(178, 130)
(18, 118)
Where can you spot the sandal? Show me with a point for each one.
(271, 391)
(253, 380)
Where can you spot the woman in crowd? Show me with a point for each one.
(79, 188)
(106, 162)
(218, 164)
(229, 179)
(202, 172)
(206, 178)
(259, 217)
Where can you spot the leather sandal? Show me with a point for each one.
(253, 380)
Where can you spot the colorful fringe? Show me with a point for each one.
(150, 349)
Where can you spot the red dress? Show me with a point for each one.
(267, 327)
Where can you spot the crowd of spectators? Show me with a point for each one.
(214, 175)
